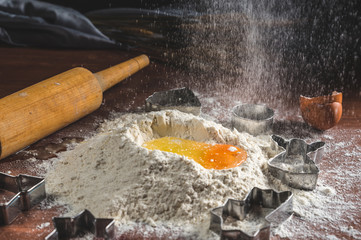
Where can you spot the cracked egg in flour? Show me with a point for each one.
(112, 175)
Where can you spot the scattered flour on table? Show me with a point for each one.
(112, 175)
(331, 206)
(43, 225)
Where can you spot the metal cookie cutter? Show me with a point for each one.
(279, 202)
(294, 166)
(29, 192)
(84, 222)
(182, 99)
(255, 119)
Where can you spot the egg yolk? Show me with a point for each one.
(210, 156)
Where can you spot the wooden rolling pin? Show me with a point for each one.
(41, 109)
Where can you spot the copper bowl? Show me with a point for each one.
(322, 112)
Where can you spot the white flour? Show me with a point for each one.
(111, 175)
(251, 224)
(331, 211)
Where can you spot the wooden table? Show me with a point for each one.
(22, 67)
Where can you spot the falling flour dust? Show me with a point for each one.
(112, 175)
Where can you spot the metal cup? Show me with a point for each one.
(255, 119)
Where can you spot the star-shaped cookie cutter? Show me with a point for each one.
(280, 202)
(29, 192)
(296, 166)
(84, 222)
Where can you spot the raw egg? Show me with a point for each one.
(210, 156)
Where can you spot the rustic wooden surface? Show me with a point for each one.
(22, 67)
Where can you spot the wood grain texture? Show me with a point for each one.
(109, 77)
(129, 96)
(30, 114)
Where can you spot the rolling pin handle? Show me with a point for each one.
(109, 77)
(33, 113)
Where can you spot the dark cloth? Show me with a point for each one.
(40, 24)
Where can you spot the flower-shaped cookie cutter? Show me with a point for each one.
(182, 99)
(84, 222)
(296, 166)
(29, 192)
(281, 204)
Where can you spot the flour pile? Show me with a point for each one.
(111, 175)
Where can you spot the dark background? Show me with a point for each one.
(326, 47)
(85, 5)
(323, 48)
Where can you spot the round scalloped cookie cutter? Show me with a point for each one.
(255, 119)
